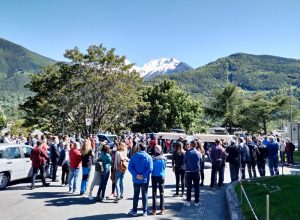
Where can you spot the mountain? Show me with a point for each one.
(250, 72)
(162, 66)
(15, 58)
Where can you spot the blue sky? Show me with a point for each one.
(193, 31)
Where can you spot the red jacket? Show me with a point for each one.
(38, 157)
(75, 158)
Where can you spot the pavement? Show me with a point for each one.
(55, 203)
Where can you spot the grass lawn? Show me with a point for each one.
(284, 203)
(297, 156)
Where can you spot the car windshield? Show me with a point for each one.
(111, 138)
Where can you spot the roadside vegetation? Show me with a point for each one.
(284, 194)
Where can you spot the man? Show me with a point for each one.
(272, 149)
(140, 167)
(245, 157)
(218, 159)
(192, 161)
(234, 160)
(54, 154)
(290, 148)
(38, 157)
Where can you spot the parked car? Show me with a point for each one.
(15, 163)
(109, 138)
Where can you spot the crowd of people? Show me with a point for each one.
(143, 156)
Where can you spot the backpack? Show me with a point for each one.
(123, 164)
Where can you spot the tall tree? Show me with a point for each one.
(97, 86)
(167, 107)
(225, 106)
(259, 111)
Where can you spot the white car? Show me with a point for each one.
(15, 163)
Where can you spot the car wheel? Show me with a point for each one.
(4, 180)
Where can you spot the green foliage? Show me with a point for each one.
(18, 128)
(2, 120)
(15, 58)
(226, 105)
(97, 85)
(168, 107)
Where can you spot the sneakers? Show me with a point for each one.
(90, 196)
(176, 195)
(132, 213)
(187, 203)
(197, 204)
(162, 212)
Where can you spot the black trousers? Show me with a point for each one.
(179, 175)
(54, 169)
(192, 178)
(160, 181)
(65, 174)
(35, 172)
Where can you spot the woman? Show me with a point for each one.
(112, 171)
(105, 157)
(120, 166)
(97, 174)
(282, 150)
(65, 165)
(87, 157)
(177, 165)
(202, 152)
(158, 178)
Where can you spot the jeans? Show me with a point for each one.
(273, 165)
(137, 188)
(65, 173)
(85, 178)
(214, 172)
(261, 166)
(234, 170)
(35, 172)
(244, 167)
(102, 187)
(54, 169)
(160, 181)
(192, 178)
(179, 174)
(119, 180)
(73, 179)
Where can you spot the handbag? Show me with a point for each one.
(99, 166)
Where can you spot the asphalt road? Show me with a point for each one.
(55, 203)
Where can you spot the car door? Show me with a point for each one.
(15, 162)
(28, 166)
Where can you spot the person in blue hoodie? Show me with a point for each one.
(140, 167)
(158, 178)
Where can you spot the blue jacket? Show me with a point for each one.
(159, 166)
(192, 160)
(140, 164)
(272, 149)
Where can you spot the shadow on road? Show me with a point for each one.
(104, 216)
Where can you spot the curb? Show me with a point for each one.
(233, 204)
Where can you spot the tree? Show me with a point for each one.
(167, 106)
(259, 111)
(225, 106)
(2, 119)
(97, 85)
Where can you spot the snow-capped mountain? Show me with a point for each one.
(162, 66)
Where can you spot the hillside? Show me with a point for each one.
(16, 65)
(250, 72)
(15, 58)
